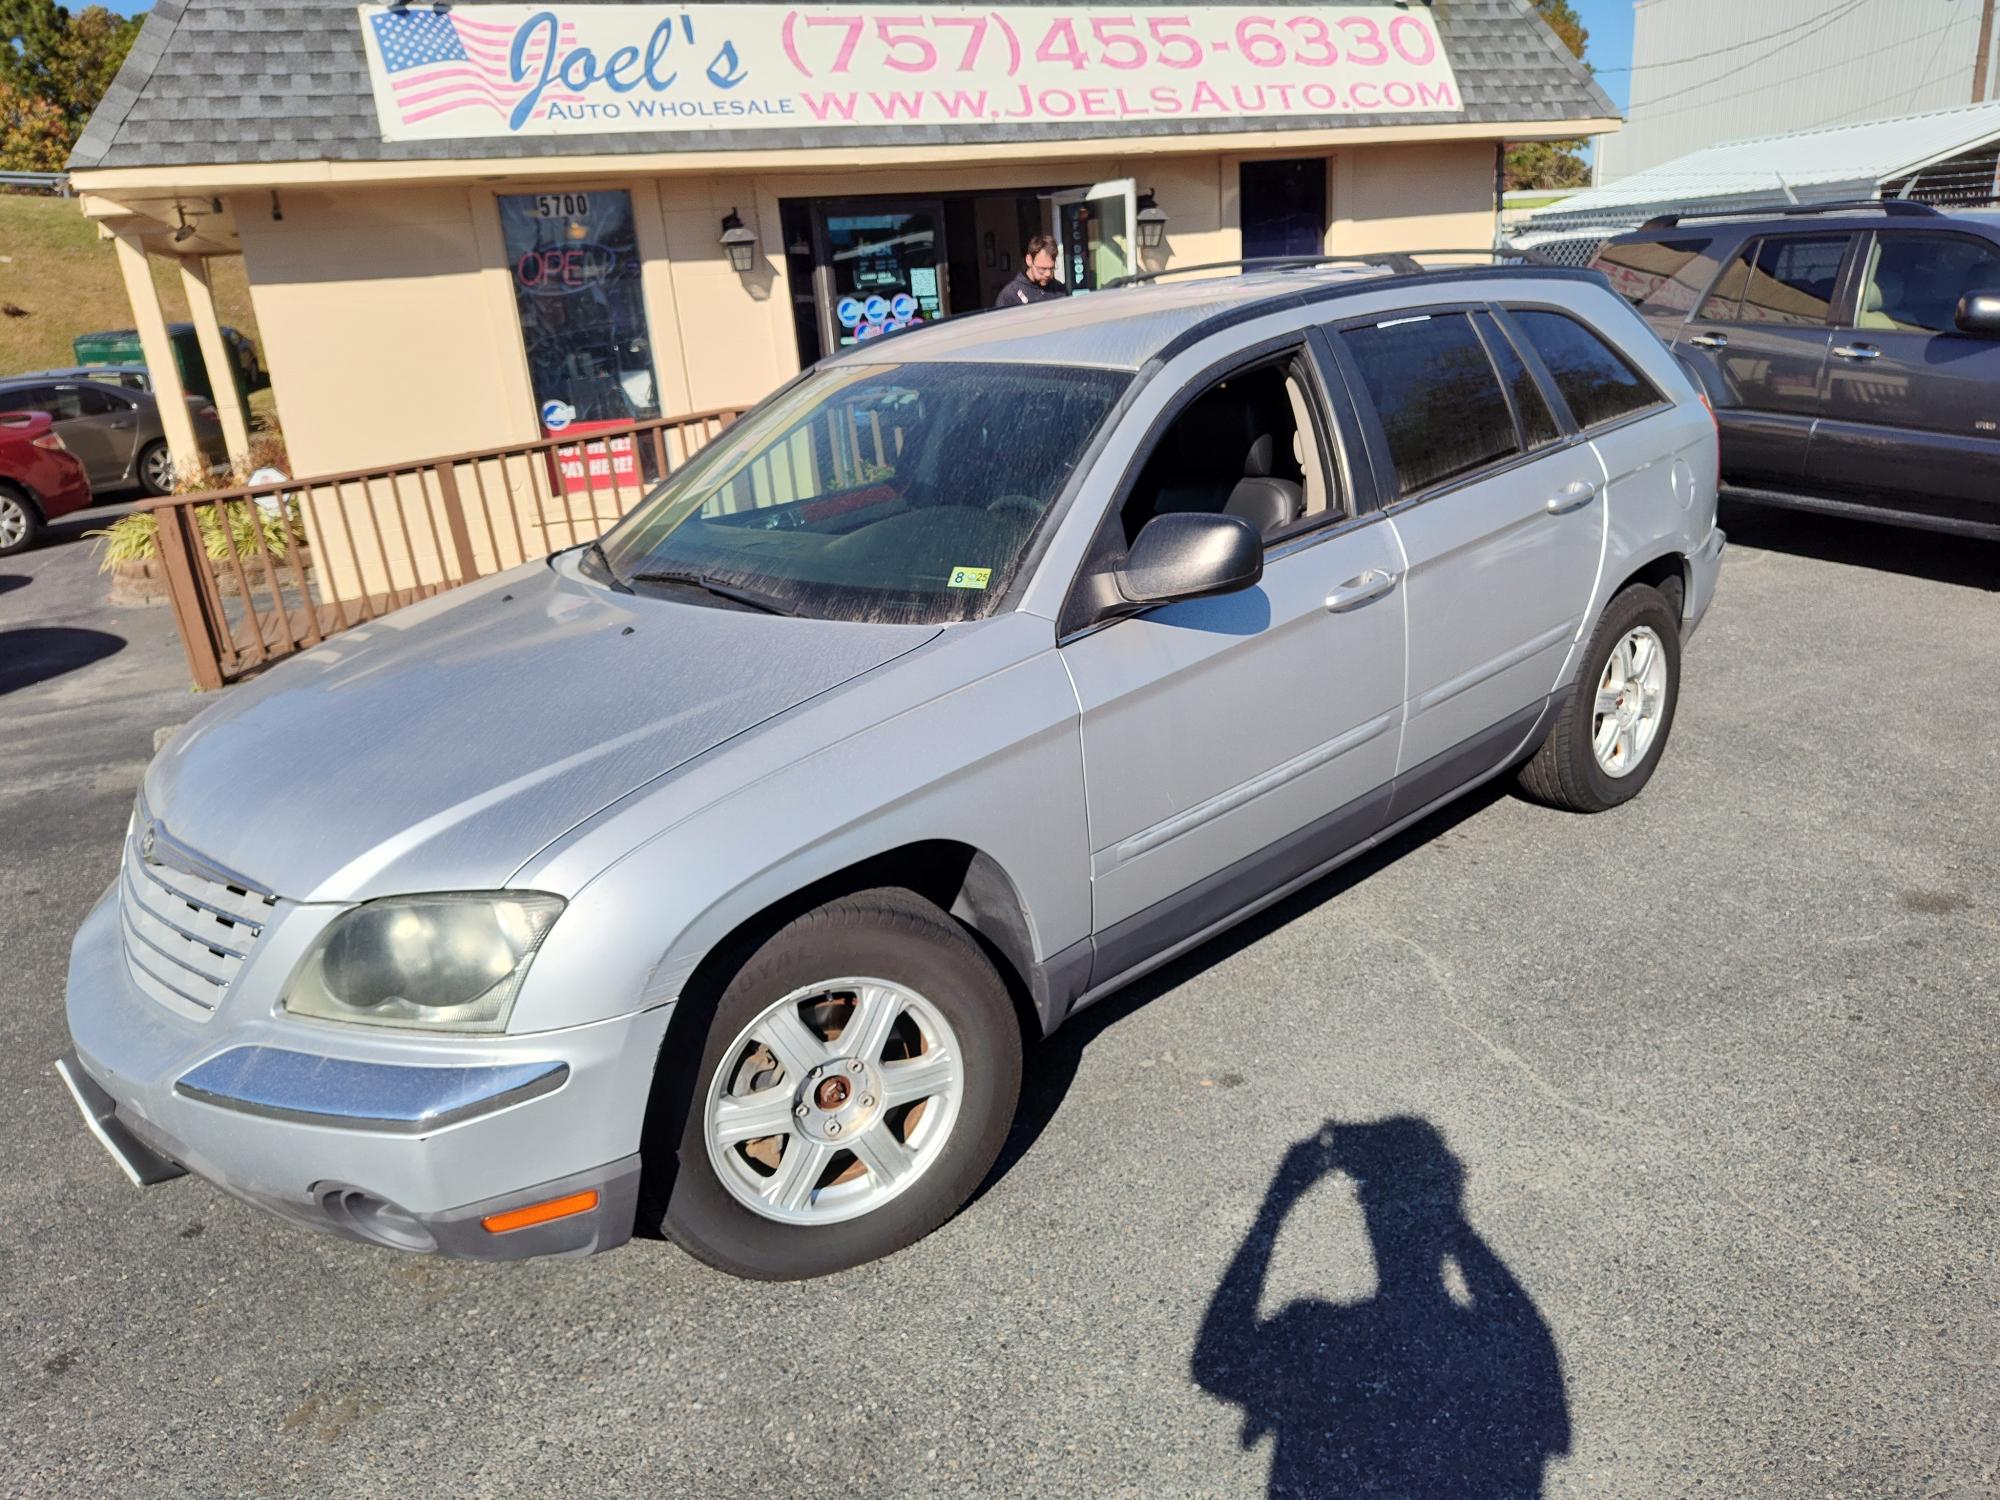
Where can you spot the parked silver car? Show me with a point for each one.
(114, 429)
(715, 877)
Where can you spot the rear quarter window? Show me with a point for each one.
(1598, 382)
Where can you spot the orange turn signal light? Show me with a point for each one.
(541, 1213)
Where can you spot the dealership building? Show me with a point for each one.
(475, 226)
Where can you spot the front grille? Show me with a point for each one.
(186, 932)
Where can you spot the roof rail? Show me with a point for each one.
(1398, 262)
(1895, 208)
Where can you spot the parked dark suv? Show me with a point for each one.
(1851, 352)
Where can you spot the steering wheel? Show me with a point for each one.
(1027, 505)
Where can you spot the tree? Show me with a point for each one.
(60, 60)
(1552, 165)
(34, 136)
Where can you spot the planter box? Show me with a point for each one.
(144, 580)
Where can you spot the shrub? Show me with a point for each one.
(136, 537)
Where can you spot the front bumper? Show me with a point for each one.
(391, 1138)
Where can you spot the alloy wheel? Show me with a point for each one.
(1631, 698)
(836, 1099)
(158, 470)
(14, 522)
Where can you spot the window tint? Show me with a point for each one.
(1915, 280)
(1437, 395)
(1655, 275)
(94, 401)
(1793, 280)
(1593, 377)
(1727, 294)
(1538, 423)
(27, 398)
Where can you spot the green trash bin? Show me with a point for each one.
(121, 347)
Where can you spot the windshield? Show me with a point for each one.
(900, 493)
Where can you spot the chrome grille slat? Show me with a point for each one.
(220, 899)
(211, 934)
(186, 936)
(158, 990)
(201, 962)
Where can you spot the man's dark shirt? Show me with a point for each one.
(1020, 292)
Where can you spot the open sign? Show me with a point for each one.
(562, 270)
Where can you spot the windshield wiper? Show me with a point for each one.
(595, 552)
(770, 604)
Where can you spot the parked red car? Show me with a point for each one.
(40, 479)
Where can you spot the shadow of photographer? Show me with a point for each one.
(1446, 1383)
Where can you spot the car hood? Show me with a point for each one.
(439, 747)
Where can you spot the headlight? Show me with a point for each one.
(450, 963)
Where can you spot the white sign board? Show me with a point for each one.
(505, 70)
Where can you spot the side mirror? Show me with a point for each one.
(1979, 312)
(1187, 555)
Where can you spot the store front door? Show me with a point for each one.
(1094, 227)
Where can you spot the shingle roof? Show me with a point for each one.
(224, 81)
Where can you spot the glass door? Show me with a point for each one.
(1094, 226)
(881, 266)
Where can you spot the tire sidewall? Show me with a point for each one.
(145, 466)
(1635, 606)
(30, 511)
(951, 973)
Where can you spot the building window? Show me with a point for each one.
(574, 259)
(1283, 207)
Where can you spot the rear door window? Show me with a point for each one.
(1792, 281)
(28, 398)
(1437, 394)
(94, 401)
(1597, 381)
(1538, 423)
(1655, 276)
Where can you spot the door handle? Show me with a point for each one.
(1711, 340)
(1358, 591)
(1858, 351)
(1572, 497)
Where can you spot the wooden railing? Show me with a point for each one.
(262, 571)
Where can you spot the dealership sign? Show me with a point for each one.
(507, 70)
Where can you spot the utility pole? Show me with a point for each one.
(1985, 47)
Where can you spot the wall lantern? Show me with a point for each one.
(1152, 222)
(739, 242)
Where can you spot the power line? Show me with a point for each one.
(1675, 62)
(1647, 111)
(1713, 78)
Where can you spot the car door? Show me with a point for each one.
(1497, 511)
(108, 421)
(1233, 744)
(84, 434)
(1759, 340)
(1912, 412)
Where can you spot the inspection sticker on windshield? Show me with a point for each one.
(969, 578)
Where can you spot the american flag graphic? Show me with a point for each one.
(438, 61)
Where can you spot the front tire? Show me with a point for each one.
(858, 1078)
(1613, 725)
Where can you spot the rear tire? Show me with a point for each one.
(766, 1186)
(20, 521)
(1614, 721)
(156, 469)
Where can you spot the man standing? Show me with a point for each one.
(1036, 280)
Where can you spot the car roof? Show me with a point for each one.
(74, 372)
(1123, 328)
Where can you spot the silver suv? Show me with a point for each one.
(714, 878)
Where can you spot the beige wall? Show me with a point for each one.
(388, 315)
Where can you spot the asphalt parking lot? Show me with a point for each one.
(1662, 1153)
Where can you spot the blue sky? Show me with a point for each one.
(1609, 23)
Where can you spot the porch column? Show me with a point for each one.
(215, 354)
(175, 418)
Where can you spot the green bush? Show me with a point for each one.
(136, 537)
